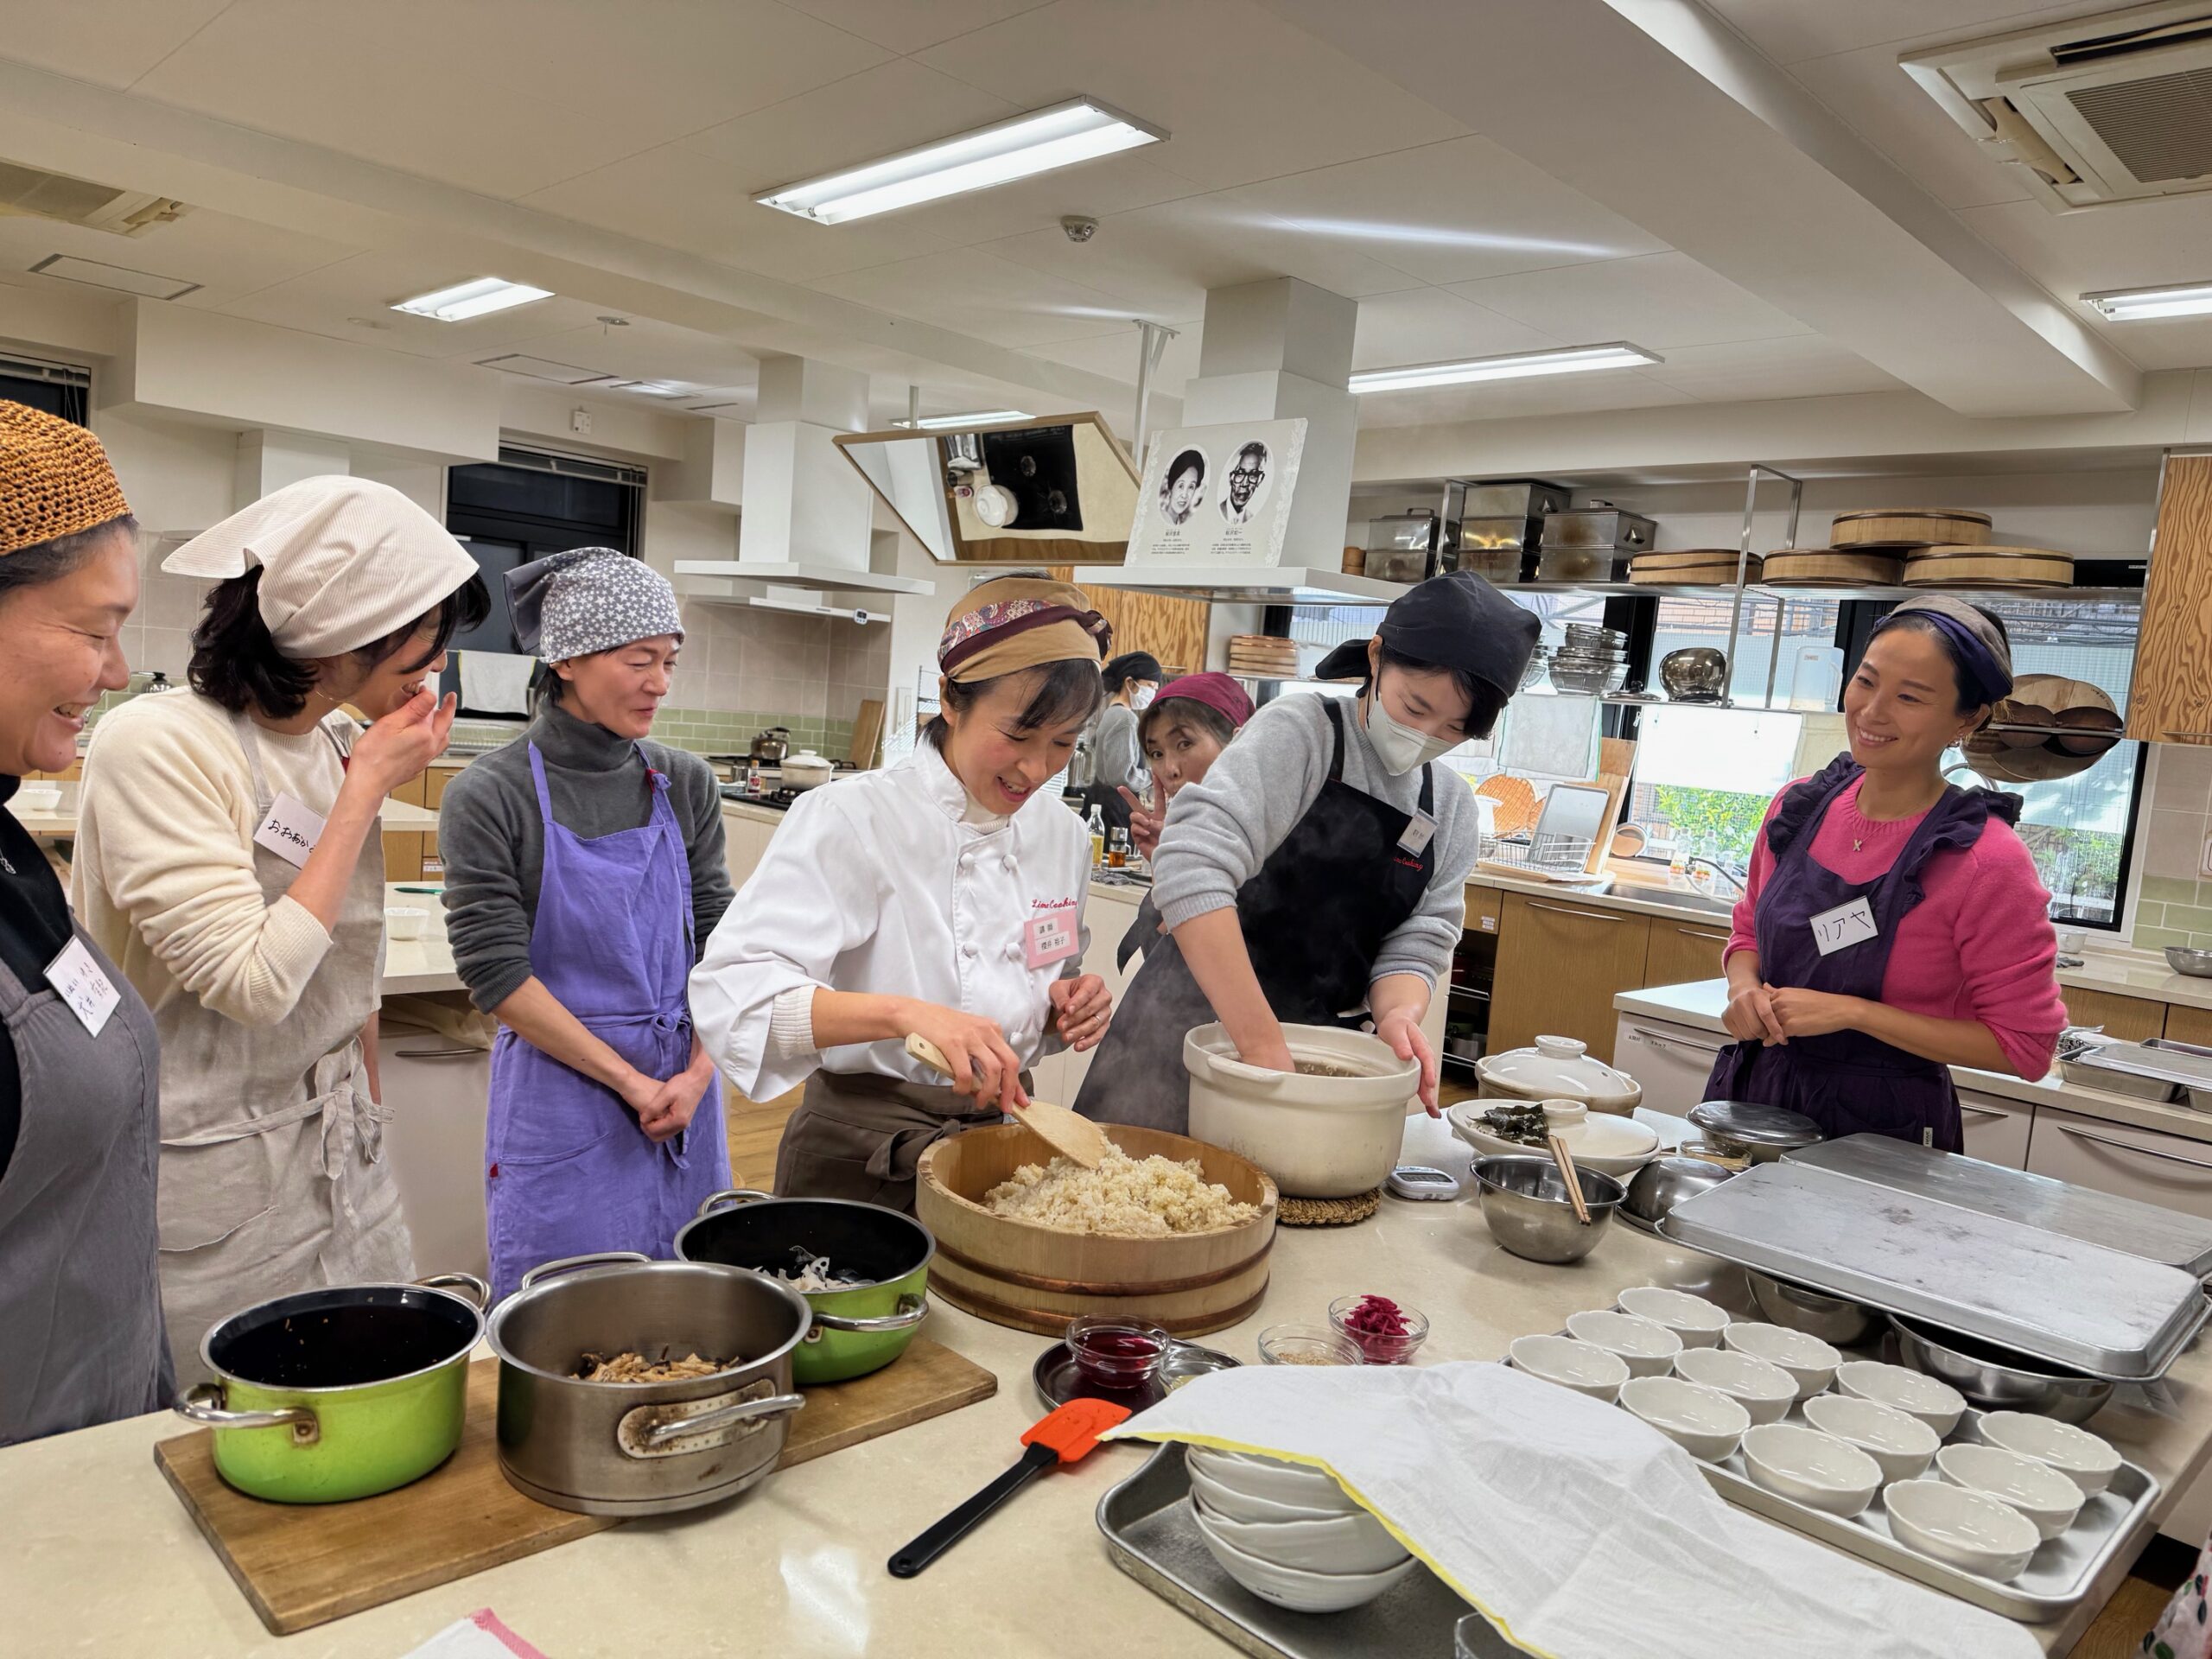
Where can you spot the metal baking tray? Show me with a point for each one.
(2066, 1301)
(2126, 1224)
(1153, 1538)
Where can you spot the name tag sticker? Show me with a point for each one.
(1049, 937)
(77, 980)
(1420, 830)
(288, 829)
(1843, 927)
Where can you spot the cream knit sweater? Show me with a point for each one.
(165, 872)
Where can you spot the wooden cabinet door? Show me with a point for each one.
(1559, 966)
(2169, 699)
(403, 856)
(1681, 952)
(1484, 905)
(410, 791)
(2132, 1018)
(2188, 1025)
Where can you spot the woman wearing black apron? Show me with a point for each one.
(1315, 877)
(1894, 926)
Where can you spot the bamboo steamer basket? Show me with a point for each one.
(1032, 1278)
(1701, 564)
(1909, 527)
(2049, 700)
(1821, 567)
(1989, 567)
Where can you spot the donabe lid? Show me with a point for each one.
(1750, 1124)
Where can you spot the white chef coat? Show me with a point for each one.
(877, 883)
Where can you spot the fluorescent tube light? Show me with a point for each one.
(654, 388)
(2136, 304)
(466, 300)
(1573, 359)
(1080, 129)
(955, 422)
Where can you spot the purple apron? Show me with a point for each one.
(567, 1170)
(1845, 1081)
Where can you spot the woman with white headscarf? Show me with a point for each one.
(230, 859)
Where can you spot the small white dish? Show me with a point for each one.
(1243, 1506)
(1971, 1532)
(2042, 1493)
(1704, 1422)
(1899, 1442)
(1811, 1362)
(1299, 1590)
(2088, 1462)
(1579, 1366)
(1815, 1469)
(37, 798)
(405, 921)
(1293, 1484)
(1696, 1321)
(1935, 1402)
(1344, 1543)
(1764, 1390)
(1648, 1349)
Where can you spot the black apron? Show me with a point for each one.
(1314, 918)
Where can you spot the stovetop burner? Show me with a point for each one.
(776, 798)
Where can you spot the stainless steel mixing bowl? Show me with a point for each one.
(1996, 1379)
(1524, 1200)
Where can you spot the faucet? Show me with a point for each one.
(1718, 869)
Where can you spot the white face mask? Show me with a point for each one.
(1400, 748)
(1141, 699)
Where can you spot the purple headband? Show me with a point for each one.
(1981, 677)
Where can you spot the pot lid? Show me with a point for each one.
(1747, 1123)
(1561, 1066)
(805, 756)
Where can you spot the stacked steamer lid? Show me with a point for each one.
(1263, 656)
(1694, 566)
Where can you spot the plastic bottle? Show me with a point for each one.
(1097, 837)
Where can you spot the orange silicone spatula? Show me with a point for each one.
(1064, 1437)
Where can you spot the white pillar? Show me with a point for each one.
(268, 460)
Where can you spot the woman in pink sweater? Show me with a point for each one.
(1894, 926)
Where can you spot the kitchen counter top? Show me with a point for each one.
(61, 823)
(796, 1566)
(423, 964)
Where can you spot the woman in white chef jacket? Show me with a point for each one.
(229, 857)
(942, 897)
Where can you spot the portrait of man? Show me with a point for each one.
(1241, 489)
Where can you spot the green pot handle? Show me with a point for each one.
(729, 1198)
(570, 1263)
(472, 1289)
(202, 1403)
(912, 1310)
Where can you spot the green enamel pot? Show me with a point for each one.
(340, 1392)
(854, 1331)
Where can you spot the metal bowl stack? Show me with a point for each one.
(1592, 661)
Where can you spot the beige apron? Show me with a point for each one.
(272, 1177)
(859, 1136)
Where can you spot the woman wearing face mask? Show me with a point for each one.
(942, 897)
(584, 867)
(1130, 679)
(1183, 734)
(1893, 925)
(1315, 877)
(229, 857)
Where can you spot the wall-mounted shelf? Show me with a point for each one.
(830, 577)
(1247, 584)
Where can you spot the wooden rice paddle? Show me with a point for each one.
(1064, 1437)
(1565, 1162)
(1071, 1136)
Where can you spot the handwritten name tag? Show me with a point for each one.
(77, 980)
(1843, 927)
(288, 829)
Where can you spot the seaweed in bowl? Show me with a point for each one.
(1524, 1125)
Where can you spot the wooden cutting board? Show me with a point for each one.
(304, 1564)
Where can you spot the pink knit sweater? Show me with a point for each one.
(1980, 945)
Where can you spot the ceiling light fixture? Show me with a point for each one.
(981, 417)
(472, 299)
(655, 388)
(1080, 129)
(2137, 304)
(71, 269)
(1573, 359)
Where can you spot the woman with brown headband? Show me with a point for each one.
(942, 897)
(81, 1306)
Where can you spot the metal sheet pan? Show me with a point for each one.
(2125, 1224)
(2065, 1301)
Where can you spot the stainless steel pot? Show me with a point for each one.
(1839, 1324)
(1996, 1379)
(644, 1448)
(770, 747)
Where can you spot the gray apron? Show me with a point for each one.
(859, 1134)
(80, 1308)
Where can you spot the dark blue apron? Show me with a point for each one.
(1848, 1082)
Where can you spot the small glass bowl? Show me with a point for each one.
(1380, 1349)
(1117, 1353)
(1306, 1344)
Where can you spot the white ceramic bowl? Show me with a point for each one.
(1581, 1366)
(1935, 1402)
(1278, 1482)
(2047, 1497)
(37, 798)
(1696, 1321)
(1243, 1506)
(1704, 1422)
(1648, 1349)
(1815, 1469)
(1319, 1136)
(2079, 1456)
(1971, 1532)
(405, 921)
(1612, 1146)
(1300, 1590)
(1900, 1443)
(1764, 1390)
(1811, 1362)
(1345, 1543)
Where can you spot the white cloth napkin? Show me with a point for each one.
(482, 1634)
(1580, 1531)
(495, 682)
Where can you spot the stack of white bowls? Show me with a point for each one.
(1289, 1534)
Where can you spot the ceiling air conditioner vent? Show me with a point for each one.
(25, 192)
(2097, 109)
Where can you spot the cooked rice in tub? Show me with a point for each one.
(1133, 1197)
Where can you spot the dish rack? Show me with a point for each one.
(1540, 857)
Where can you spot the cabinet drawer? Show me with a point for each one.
(1483, 905)
(2118, 1158)
(1671, 1062)
(2188, 1025)
(1997, 1129)
(1559, 965)
(2132, 1017)
(1682, 952)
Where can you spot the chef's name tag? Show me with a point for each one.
(1420, 828)
(288, 829)
(1049, 936)
(77, 980)
(1843, 927)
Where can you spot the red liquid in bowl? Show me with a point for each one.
(1117, 1356)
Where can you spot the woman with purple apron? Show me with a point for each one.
(583, 865)
(1893, 925)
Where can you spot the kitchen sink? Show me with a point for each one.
(1715, 904)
